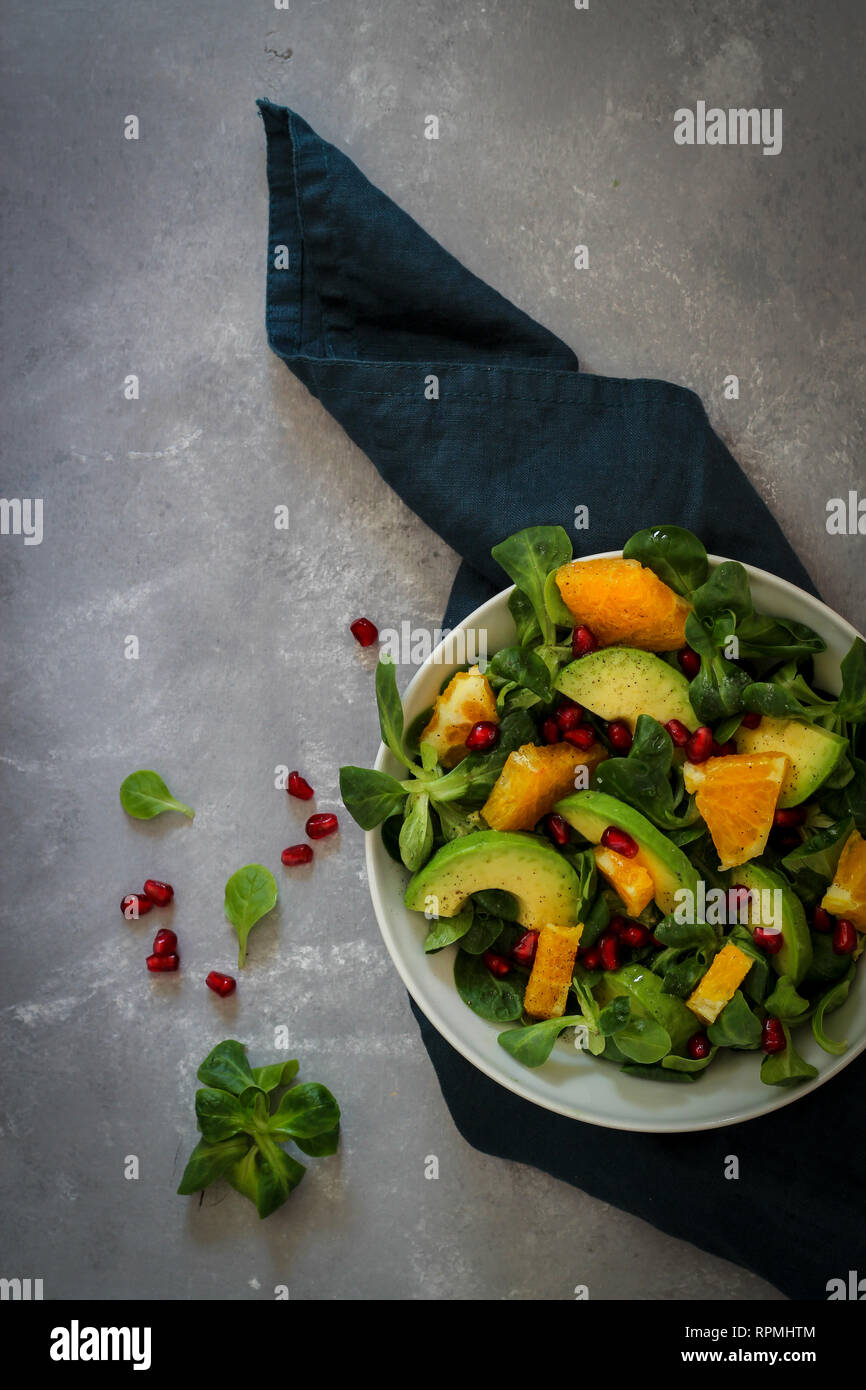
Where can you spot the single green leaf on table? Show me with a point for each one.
(370, 797)
(304, 1112)
(279, 1074)
(785, 1003)
(144, 795)
(498, 1000)
(528, 558)
(390, 709)
(736, 1025)
(416, 833)
(251, 892)
(444, 931)
(786, 1068)
(832, 999)
(533, 1045)
(674, 554)
(226, 1068)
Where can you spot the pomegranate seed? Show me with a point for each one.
(296, 854)
(844, 937)
(788, 840)
(164, 943)
(524, 952)
(221, 984)
(583, 641)
(620, 735)
(636, 935)
(690, 662)
(700, 745)
(750, 721)
(159, 964)
(698, 1046)
(821, 920)
(159, 893)
(680, 735)
(568, 716)
(318, 826)
(496, 964)
(581, 737)
(364, 631)
(788, 819)
(722, 750)
(558, 829)
(739, 898)
(618, 925)
(299, 787)
(773, 1036)
(482, 736)
(550, 730)
(591, 958)
(135, 905)
(768, 940)
(621, 843)
(608, 946)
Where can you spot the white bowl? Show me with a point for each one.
(571, 1082)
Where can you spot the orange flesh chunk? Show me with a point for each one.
(737, 797)
(624, 602)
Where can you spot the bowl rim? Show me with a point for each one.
(783, 1096)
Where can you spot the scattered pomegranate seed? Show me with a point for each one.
(159, 964)
(844, 937)
(636, 935)
(297, 854)
(568, 716)
(322, 824)
(608, 946)
(700, 745)
(364, 631)
(698, 1046)
(722, 750)
(299, 786)
(524, 952)
(739, 897)
(821, 920)
(557, 828)
(788, 819)
(680, 735)
(773, 1036)
(550, 730)
(620, 735)
(591, 958)
(768, 940)
(690, 662)
(159, 893)
(621, 843)
(581, 737)
(496, 964)
(221, 984)
(618, 925)
(135, 905)
(750, 721)
(165, 942)
(482, 736)
(583, 641)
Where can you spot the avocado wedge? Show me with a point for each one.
(813, 753)
(623, 682)
(795, 957)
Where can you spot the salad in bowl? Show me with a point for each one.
(639, 825)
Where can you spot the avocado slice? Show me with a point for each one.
(814, 753)
(795, 956)
(544, 884)
(644, 989)
(622, 682)
(590, 813)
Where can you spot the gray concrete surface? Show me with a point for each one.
(147, 257)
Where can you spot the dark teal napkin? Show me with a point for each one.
(482, 421)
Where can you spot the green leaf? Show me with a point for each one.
(521, 609)
(851, 704)
(832, 999)
(812, 865)
(785, 1003)
(685, 936)
(370, 797)
(688, 1064)
(533, 1045)
(208, 1162)
(482, 934)
(736, 1025)
(390, 710)
(614, 1017)
(144, 795)
(304, 1112)
(279, 1074)
(757, 981)
(557, 609)
(681, 977)
(786, 1068)
(643, 1040)
(765, 697)
(320, 1145)
(226, 1068)
(528, 558)
(219, 1114)
(522, 668)
(850, 800)
(444, 931)
(266, 1175)
(251, 892)
(416, 833)
(768, 641)
(642, 779)
(496, 902)
(725, 591)
(498, 1000)
(671, 552)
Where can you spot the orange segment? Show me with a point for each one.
(550, 981)
(737, 797)
(622, 601)
(466, 700)
(627, 878)
(721, 982)
(532, 781)
(846, 896)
